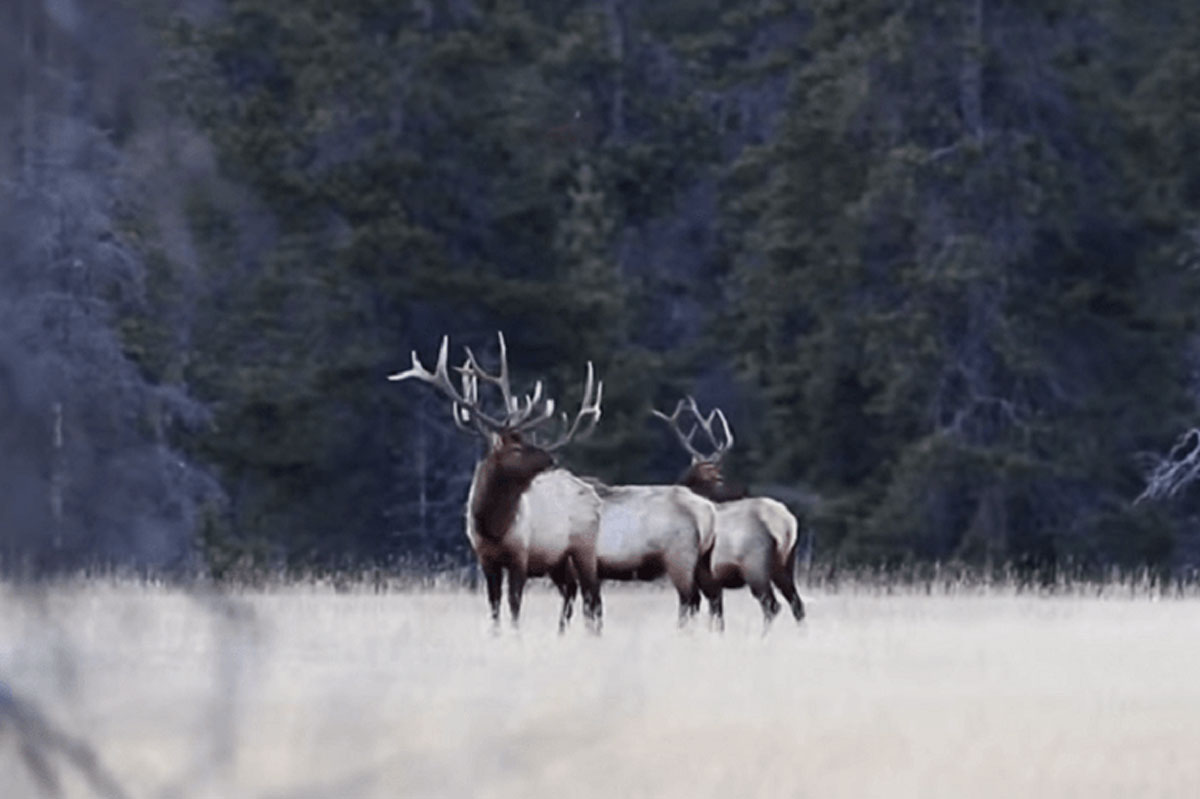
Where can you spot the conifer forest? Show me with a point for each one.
(937, 261)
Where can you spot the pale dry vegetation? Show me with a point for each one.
(302, 691)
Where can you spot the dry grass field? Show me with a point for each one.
(131, 690)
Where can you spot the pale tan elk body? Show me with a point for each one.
(755, 536)
(524, 516)
(650, 531)
(755, 547)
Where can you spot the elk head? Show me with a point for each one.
(515, 452)
(704, 475)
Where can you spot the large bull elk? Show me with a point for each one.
(755, 536)
(524, 516)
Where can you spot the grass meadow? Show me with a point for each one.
(131, 689)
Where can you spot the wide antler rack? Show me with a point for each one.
(520, 415)
(721, 445)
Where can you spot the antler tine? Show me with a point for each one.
(706, 424)
(728, 445)
(500, 380)
(673, 421)
(530, 421)
(526, 418)
(589, 409)
(467, 401)
(463, 413)
(417, 370)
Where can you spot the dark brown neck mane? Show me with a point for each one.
(706, 480)
(502, 477)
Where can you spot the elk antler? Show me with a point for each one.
(500, 380)
(461, 413)
(589, 409)
(685, 440)
(519, 415)
(464, 404)
(705, 423)
(533, 412)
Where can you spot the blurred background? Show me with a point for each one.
(937, 261)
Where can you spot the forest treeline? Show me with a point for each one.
(937, 261)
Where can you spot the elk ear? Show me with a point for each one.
(493, 440)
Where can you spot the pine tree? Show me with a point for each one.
(934, 264)
(91, 464)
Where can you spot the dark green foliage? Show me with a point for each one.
(942, 295)
(937, 261)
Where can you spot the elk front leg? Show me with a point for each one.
(516, 587)
(493, 575)
(567, 586)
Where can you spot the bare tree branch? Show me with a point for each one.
(47, 751)
(1170, 475)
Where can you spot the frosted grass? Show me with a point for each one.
(300, 691)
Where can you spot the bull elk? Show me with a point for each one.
(647, 531)
(524, 515)
(755, 536)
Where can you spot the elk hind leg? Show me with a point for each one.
(783, 577)
(584, 564)
(684, 579)
(760, 587)
(711, 589)
(564, 579)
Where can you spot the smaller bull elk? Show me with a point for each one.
(524, 515)
(647, 531)
(755, 536)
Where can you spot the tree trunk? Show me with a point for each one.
(29, 88)
(57, 474)
(616, 50)
(971, 78)
(423, 481)
(986, 538)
